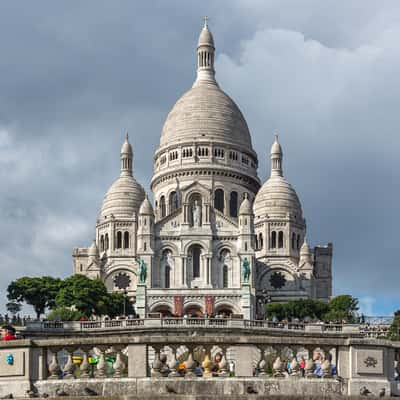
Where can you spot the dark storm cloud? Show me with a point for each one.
(74, 76)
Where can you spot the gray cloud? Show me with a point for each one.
(75, 76)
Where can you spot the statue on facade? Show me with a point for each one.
(246, 270)
(196, 212)
(142, 271)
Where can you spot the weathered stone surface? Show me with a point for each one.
(369, 361)
(17, 367)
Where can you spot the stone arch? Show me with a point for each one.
(226, 304)
(163, 307)
(193, 306)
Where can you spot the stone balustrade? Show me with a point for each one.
(72, 327)
(181, 350)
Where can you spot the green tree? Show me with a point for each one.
(394, 331)
(39, 292)
(64, 314)
(342, 308)
(13, 307)
(277, 310)
(118, 303)
(89, 296)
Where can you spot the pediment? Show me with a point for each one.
(224, 223)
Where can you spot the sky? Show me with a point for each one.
(324, 75)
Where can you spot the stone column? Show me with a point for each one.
(141, 300)
(246, 301)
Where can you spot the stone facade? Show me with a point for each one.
(216, 241)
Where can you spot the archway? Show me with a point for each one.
(163, 310)
(193, 310)
(224, 311)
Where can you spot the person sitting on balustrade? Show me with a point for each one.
(7, 333)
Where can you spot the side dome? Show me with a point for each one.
(123, 198)
(205, 112)
(125, 195)
(245, 206)
(146, 208)
(277, 197)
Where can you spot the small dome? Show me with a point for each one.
(93, 249)
(126, 146)
(205, 38)
(146, 208)
(277, 197)
(276, 147)
(245, 207)
(123, 198)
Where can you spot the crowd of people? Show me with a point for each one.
(15, 320)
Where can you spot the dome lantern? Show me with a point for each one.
(205, 56)
(276, 158)
(126, 157)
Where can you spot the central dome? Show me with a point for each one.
(205, 112)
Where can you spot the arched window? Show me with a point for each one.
(225, 276)
(293, 240)
(273, 240)
(298, 242)
(173, 201)
(280, 239)
(219, 200)
(119, 240)
(260, 241)
(256, 242)
(102, 243)
(162, 207)
(106, 242)
(167, 276)
(196, 253)
(233, 204)
(126, 240)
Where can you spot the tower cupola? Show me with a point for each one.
(205, 56)
(126, 157)
(276, 158)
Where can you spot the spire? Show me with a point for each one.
(305, 253)
(205, 56)
(126, 157)
(276, 158)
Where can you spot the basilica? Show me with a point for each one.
(214, 241)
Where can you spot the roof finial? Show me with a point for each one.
(205, 21)
(127, 137)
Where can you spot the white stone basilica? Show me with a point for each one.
(210, 221)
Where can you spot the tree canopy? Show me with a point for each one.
(68, 299)
(39, 292)
(340, 308)
(89, 296)
(394, 330)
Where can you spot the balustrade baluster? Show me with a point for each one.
(190, 365)
(69, 367)
(173, 365)
(54, 367)
(118, 366)
(156, 365)
(85, 366)
(101, 366)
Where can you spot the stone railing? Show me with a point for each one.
(154, 362)
(55, 327)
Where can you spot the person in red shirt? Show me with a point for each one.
(7, 333)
